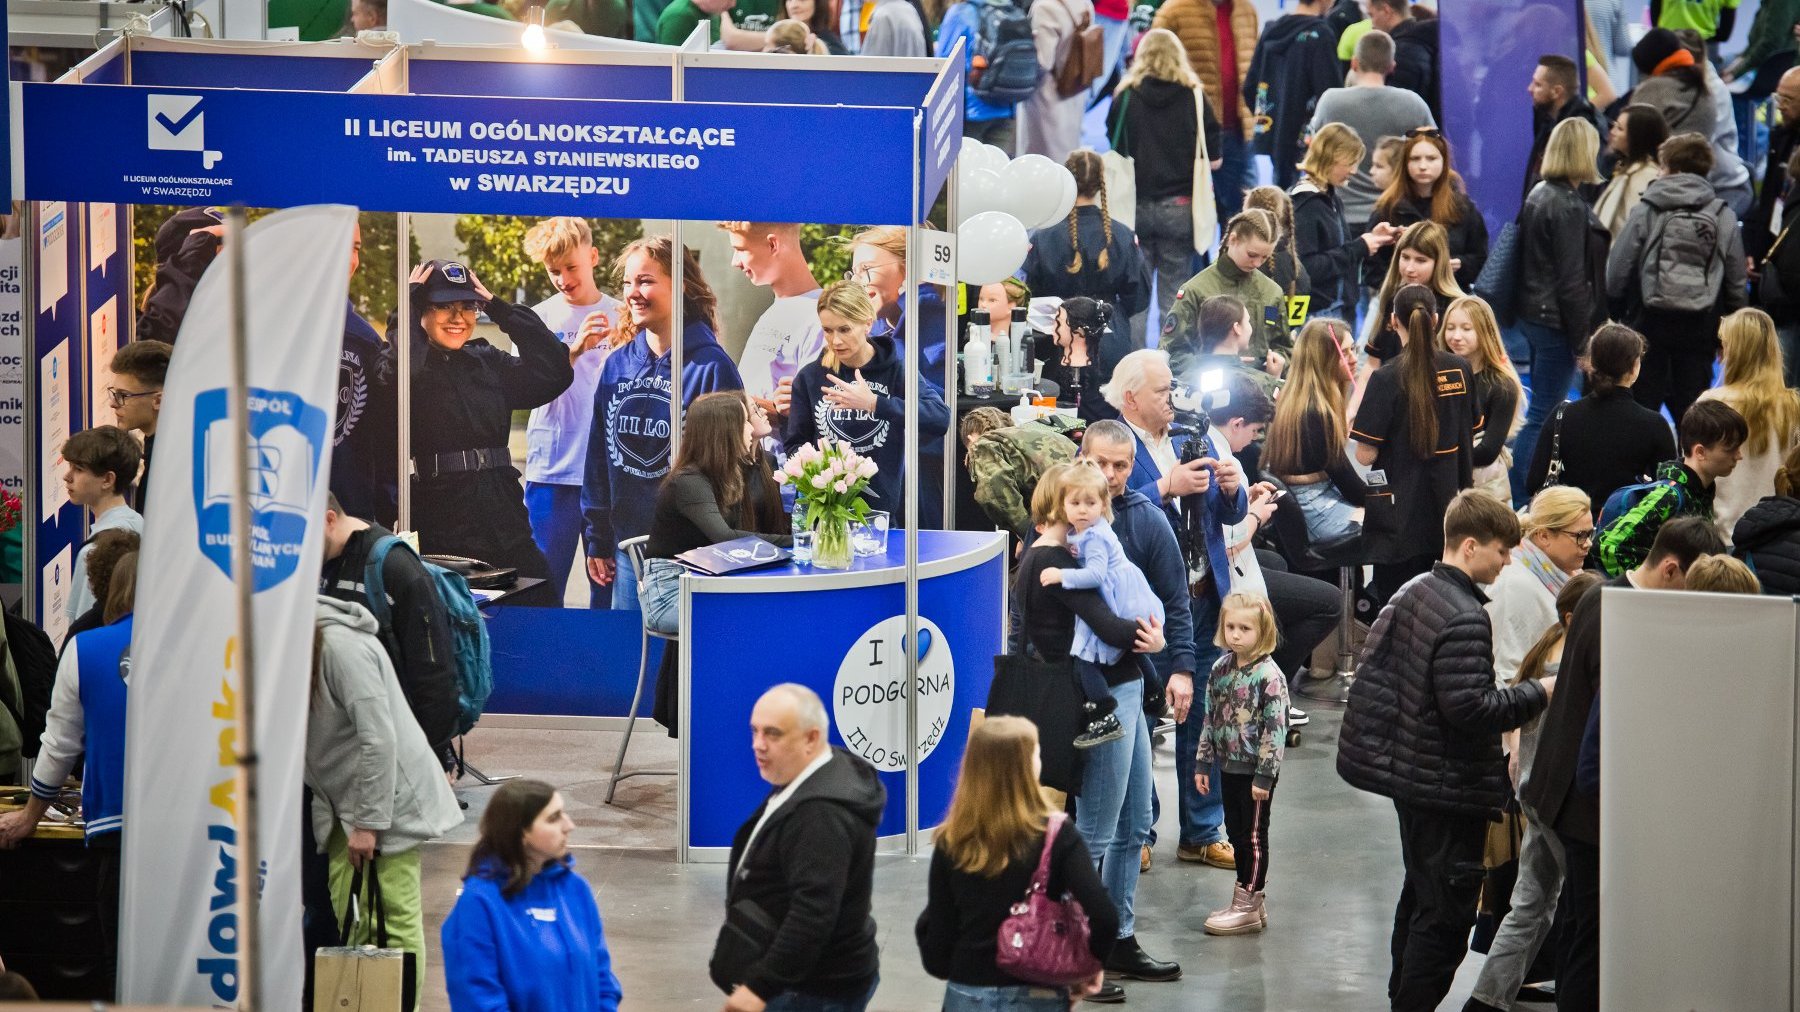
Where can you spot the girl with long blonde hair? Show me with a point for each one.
(1284, 267)
(983, 857)
(1306, 440)
(1421, 257)
(1470, 330)
(1754, 385)
(1155, 120)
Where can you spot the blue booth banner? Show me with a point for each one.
(942, 139)
(598, 159)
(850, 647)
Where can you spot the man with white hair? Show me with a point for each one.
(1141, 390)
(798, 934)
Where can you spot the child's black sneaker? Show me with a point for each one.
(1100, 732)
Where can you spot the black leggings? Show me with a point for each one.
(1247, 827)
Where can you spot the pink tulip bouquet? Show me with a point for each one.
(829, 479)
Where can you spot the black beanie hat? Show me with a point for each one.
(1657, 45)
(174, 231)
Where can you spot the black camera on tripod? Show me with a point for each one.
(1194, 408)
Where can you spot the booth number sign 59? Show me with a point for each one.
(938, 257)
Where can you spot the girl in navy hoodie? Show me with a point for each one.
(525, 934)
(855, 393)
(628, 448)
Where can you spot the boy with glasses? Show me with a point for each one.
(136, 398)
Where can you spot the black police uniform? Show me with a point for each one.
(467, 499)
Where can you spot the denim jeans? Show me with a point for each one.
(1201, 817)
(1236, 173)
(1788, 336)
(1552, 373)
(555, 512)
(1113, 815)
(1001, 133)
(1327, 514)
(624, 585)
(794, 1001)
(1165, 231)
(660, 595)
(1017, 998)
(1528, 923)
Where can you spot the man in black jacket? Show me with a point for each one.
(1574, 817)
(1295, 62)
(1415, 50)
(1423, 726)
(186, 245)
(798, 932)
(1555, 91)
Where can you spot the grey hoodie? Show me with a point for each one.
(1684, 190)
(366, 759)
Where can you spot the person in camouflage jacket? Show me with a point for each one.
(1006, 460)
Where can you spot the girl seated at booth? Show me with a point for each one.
(720, 489)
(855, 394)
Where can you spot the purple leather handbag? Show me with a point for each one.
(1045, 940)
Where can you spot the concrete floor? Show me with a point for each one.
(1334, 880)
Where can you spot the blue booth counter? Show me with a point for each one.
(840, 633)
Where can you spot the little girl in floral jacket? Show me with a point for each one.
(1243, 732)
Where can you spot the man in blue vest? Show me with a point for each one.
(1140, 390)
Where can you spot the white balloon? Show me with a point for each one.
(989, 247)
(1066, 202)
(994, 158)
(1034, 188)
(977, 190)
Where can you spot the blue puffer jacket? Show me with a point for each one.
(543, 950)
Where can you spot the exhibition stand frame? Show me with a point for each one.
(285, 124)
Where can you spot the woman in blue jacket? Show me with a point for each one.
(628, 448)
(525, 934)
(855, 393)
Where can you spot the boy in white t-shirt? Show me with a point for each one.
(587, 321)
(787, 335)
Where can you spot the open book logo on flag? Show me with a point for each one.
(287, 437)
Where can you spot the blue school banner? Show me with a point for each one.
(942, 140)
(598, 159)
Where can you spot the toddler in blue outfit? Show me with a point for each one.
(1087, 503)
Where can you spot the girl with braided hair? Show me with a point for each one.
(1284, 266)
(1090, 254)
(1250, 240)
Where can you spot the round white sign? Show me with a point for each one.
(869, 699)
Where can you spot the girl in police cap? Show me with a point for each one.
(467, 499)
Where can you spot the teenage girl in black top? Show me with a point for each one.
(1306, 442)
(1416, 430)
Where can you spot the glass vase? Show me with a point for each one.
(831, 544)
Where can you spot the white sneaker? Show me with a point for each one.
(1297, 717)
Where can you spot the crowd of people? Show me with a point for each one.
(1344, 380)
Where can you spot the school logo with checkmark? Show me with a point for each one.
(178, 123)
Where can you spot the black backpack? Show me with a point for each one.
(35, 660)
(1005, 57)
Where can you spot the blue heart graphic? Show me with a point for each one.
(924, 643)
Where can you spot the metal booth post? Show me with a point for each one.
(31, 508)
(243, 575)
(913, 384)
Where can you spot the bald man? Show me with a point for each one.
(798, 934)
(1759, 225)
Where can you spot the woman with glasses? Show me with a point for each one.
(1426, 187)
(1606, 440)
(467, 499)
(1558, 529)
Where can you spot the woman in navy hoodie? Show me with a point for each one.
(628, 448)
(525, 934)
(855, 393)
